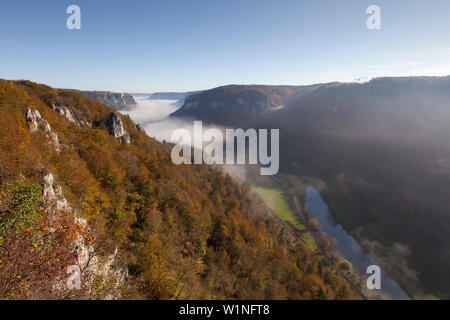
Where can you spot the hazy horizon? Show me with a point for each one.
(150, 92)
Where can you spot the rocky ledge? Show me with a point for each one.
(117, 129)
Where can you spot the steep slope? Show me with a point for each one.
(383, 149)
(229, 104)
(114, 100)
(136, 225)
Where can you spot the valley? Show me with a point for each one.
(284, 201)
(105, 199)
(379, 152)
(288, 206)
(330, 198)
(215, 153)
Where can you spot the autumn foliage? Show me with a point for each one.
(183, 232)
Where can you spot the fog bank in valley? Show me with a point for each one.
(153, 116)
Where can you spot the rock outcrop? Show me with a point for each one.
(117, 129)
(37, 123)
(114, 100)
(65, 112)
(89, 262)
(54, 196)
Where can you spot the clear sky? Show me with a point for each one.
(147, 46)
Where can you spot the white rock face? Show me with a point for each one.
(49, 193)
(33, 116)
(88, 261)
(116, 128)
(57, 197)
(36, 122)
(114, 100)
(64, 111)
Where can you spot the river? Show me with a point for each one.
(347, 247)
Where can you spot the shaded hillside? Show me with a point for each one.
(79, 193)
(383, 148)
(224, 105)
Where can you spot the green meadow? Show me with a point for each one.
(282, 204)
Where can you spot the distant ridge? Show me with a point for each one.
(381, 147)
(227, 104)
(114, 100)
(171, 95)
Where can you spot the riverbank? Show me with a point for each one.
(346, 246)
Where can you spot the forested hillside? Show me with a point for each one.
(224, 105)
(74, 191)
(382, 151)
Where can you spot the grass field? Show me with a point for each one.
(282, 204)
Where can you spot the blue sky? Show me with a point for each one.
(147, 46)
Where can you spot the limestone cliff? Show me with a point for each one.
(117, 130)
(114, 100)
